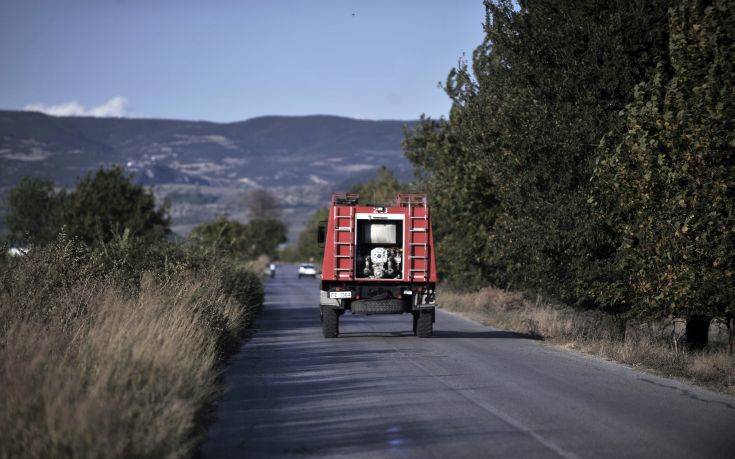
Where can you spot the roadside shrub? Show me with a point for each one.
(114, 351)
(242, 284)
(230, 238)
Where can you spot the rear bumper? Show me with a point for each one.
(324, 300)
(374, 307)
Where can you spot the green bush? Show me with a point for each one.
(103, 206)
(246, 241)
(34, 211)
(242, 284)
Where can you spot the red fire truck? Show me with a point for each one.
(378, 260)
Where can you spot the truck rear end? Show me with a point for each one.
(378, 260)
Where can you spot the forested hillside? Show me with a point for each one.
(588, 157)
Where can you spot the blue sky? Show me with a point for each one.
(233, 60)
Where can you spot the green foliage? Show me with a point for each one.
(381, 190)
(266, 234)
(262, 205)
(125, 258)
(307, 248)
(33, 211)
(666, 178)
(244, 241)
(462, 198)
(588, 156)
(242, 284)
(107, 203)
(509, 171)
(103, 205)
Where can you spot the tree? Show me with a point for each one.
(107, 203)
(222, 235)
(266, 235)
(262, 204)
(33, 211)
(381, 189)
(246, 241)
(307, 248)
(513, 165)
(669, 173)
(462, 198)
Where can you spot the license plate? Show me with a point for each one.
(340, 294)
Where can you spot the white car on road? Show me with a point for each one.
(307, 269)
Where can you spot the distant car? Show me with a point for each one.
(308, 270)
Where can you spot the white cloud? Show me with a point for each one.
(115, 107)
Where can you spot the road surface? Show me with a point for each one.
(471, 391)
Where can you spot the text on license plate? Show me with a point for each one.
(340, 294)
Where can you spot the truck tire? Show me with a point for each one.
(387, 306)
(330, 323)
(424, 325)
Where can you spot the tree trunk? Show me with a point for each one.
(697, 331)
(618, 329)
(730, 322)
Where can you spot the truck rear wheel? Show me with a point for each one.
(330, 323)
(423, 325)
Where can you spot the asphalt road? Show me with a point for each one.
(471, 391)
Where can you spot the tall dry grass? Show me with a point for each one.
(92, 368)
(654, 347)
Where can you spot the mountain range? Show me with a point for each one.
(205, 168)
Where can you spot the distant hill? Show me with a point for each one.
(299, 158)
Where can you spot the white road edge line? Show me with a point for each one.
(489, 408)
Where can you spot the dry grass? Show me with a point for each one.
(649, 347)
(89, 369)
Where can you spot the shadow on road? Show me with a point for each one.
(494, 334)
(442, 334)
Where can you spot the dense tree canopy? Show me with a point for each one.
(104, 204)
(668, 175)
(588, 156)
(33, 211)
(107, 203)
(510, 169)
